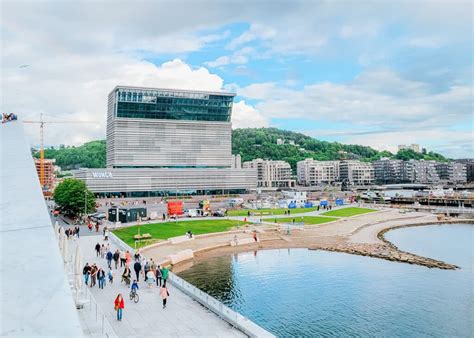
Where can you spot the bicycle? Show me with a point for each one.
(134, 296)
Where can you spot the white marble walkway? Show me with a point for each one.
(183, 317)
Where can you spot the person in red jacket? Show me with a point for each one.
(118, 306)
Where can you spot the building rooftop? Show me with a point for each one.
(188, 91)
(36, 299)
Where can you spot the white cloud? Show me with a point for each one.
(378, 109)
(81, 93)
(239, 57)
(245, 116)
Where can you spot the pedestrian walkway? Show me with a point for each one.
(182, 316)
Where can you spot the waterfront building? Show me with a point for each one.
(469, 163)
(313, 173)
(415, 147)
(356, 172)
(168, 142)
(452, 172)
(271, 174)
(388, 171)
(422, 171)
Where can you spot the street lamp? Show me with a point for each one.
(85, 204)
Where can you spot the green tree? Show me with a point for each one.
(72, 195)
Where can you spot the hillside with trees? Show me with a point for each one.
(88, 155)
(251, 143)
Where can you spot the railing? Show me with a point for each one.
(235, 319)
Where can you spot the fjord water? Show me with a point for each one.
(299, 292)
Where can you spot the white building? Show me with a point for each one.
(312, 173)
(271, 174)
(356, 172)
(415, 147)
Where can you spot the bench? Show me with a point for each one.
(140, 237)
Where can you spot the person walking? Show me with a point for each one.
(150, 278)
(109, 256)
(94, 271)
(164, 274)
(159, 276)
(101, 278)
(102, 251)
(86, 272)
(122, 258)
(78, 229)
(106, 234)
(164, 293)
(128, 258)
(97, 249)
(111, 276)
(116, 258)
(137, 267)
(119, 305)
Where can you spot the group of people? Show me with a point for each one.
(147, 270)
(71, 232)
(7, 117)
(94, 274)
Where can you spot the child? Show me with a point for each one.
(111, 276)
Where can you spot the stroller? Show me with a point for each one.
(126, 279)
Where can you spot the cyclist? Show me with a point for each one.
(134, 286)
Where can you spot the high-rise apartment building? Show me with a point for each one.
(313, 173)
(166, 142)
(451, 172)
(271, 174)
(469, 163)
(388, 171)
(356, 172)
(422, 171)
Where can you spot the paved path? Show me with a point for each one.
(182, 316)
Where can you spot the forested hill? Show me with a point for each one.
(262, 143)
(250, 144)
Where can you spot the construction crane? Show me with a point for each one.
(41, 122)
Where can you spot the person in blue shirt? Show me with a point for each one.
(134, 286)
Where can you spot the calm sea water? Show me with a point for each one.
(299, 292)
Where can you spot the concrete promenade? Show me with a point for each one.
(183, 317)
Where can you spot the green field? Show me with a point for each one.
(307, 220)
(268, 212)
(348, 212)
(163, 231)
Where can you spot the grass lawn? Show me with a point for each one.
(347, 212)
(267, 212)
(163, 231)
(306, 219)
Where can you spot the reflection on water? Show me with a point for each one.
(299, 292)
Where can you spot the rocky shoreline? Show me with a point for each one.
(387, 252)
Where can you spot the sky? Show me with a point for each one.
(376, 73)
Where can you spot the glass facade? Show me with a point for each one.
(173, 193)
(173, 105)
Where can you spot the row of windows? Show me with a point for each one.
(172, 112)
(172, 193)
(133, 96)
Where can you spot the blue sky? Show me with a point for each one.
(373, 73)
